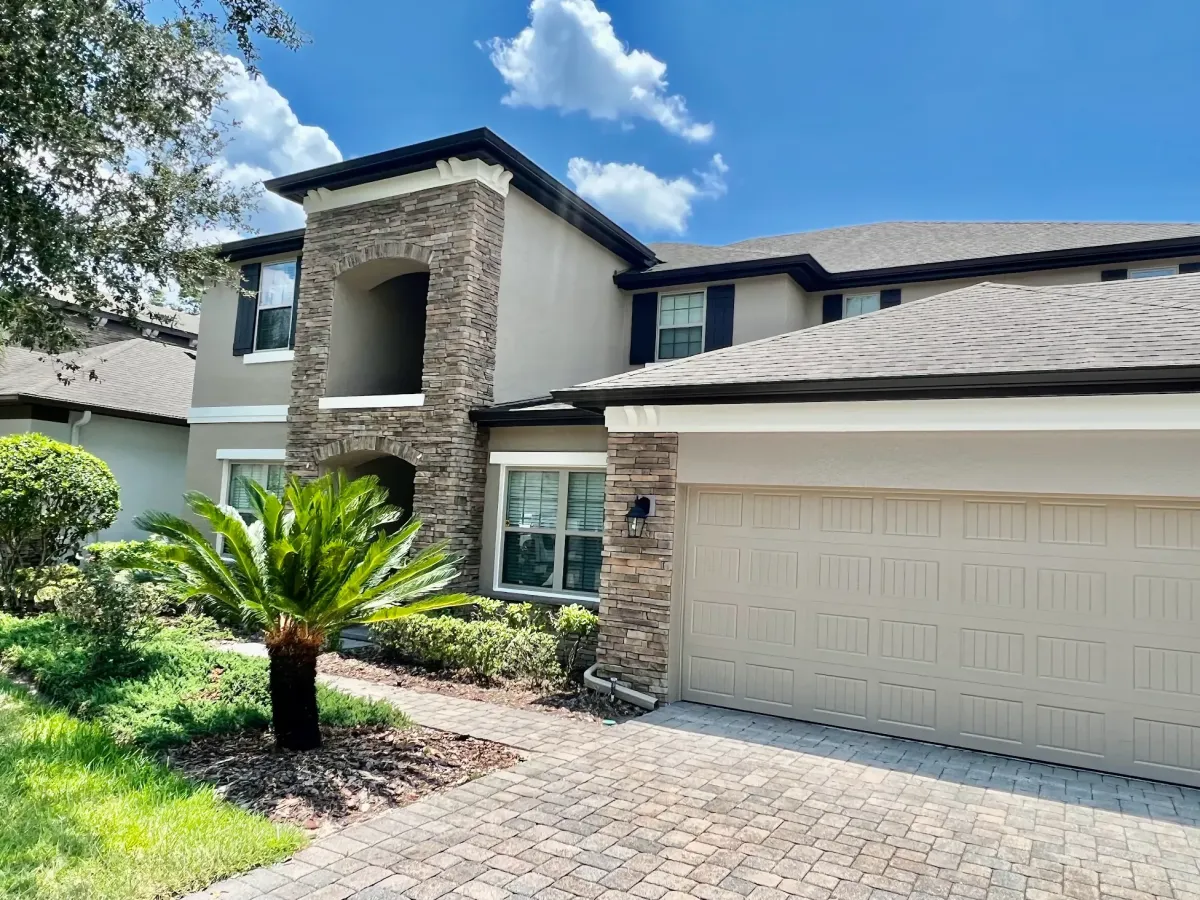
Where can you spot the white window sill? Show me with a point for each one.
(269, 356)
(372, 401)
(551, 598)
(258, 454)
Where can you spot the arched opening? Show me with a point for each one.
(377, 337)
(398, 476)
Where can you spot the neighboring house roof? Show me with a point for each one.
(897, 252)
(480, 143)
(137, 378)
(1001, 338)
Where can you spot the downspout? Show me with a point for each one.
(76, 424)
(614, 688)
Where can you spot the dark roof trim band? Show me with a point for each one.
(1182, 379)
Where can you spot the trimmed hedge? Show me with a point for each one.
(52, 496)
(485, 648)
(523, 641)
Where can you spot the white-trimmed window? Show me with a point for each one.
(552, 526)
(276, 294)
(271, 476)
(1154, 272)
(680, 325)
(857, 304)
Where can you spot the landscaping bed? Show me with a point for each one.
(121, 790)
(568, 699)
(358, 772)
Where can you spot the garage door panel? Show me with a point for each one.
(1061, 629)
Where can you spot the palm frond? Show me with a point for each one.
(321, 556)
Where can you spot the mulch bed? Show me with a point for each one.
(358, 772)
(575, 702)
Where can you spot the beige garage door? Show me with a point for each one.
(1059, 629)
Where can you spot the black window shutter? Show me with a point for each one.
(295, 304)
(718, 317)
(1114, 274)
(1189, 268)
(642, 328)
(890, 297)
(247, 307)
(831, 308)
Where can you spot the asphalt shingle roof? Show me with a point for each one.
(884, 245)
(986, 328)
(135, 376)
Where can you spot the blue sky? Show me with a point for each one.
(712, 121)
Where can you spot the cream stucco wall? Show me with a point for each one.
(567, 438)
(776, 304)
(16, 425)
(377, 342)
(148, 459)
(1156, 464)
(203, 467)
(1045, 278)
(561, 319)
(223, 379)
(761, 307)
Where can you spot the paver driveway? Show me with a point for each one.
(697, 802)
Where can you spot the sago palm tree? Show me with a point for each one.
(308, 566)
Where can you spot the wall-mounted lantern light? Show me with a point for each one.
(635, 519)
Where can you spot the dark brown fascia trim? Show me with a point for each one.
(811, 275)
(508, 418)
(480, 143)
(35, 401)
(263, 245)
(1154, 380)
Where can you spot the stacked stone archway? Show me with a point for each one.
(456, 233)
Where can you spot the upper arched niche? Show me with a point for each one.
(380, 261)
(377, 339)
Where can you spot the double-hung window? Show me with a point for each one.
(857, 304)
(276, 294)
(1154, 272)
(680, 325)
(553, 521)
(270, 475)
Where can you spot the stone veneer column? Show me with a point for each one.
(635, 580)
(457, 229)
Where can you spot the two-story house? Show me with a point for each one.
(970, 519)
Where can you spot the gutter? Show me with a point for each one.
(1072, 382)
(77, 425)
(613, 688)
(806, 271)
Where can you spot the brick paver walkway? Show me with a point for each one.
(693, 802)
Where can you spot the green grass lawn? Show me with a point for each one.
(86, 811)
(174, 688)
(84, 817)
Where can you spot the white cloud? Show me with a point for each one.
(633, 194)
(569, 57)
(267, 139)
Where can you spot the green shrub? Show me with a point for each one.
(112, 606)
(576, 628)
(52, 496)
(122, 554)
(486, 648)
(174, 688)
